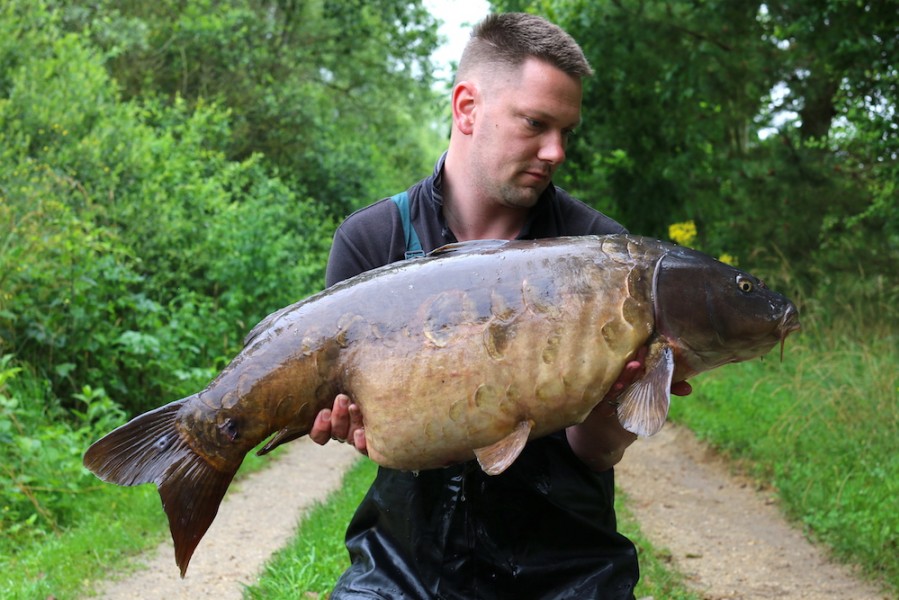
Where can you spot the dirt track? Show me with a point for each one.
(728, 538)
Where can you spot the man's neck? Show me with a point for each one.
(473, 217)
(478, 219)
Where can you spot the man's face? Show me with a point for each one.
(521, 130)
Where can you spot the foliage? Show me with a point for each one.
(56, 537)
(327, 91)
(135, 250)
(41, 453)
(772, 125)
(68, 565)
(142, 230)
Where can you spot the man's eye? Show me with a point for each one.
(534, 123)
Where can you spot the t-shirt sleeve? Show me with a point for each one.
(369, 238)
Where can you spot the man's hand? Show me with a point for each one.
(632, 370)
(600, 441)
(342, 423)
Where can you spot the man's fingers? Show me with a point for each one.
(340, 418)
(357, 430)
(343, 423)
(359, 441)
(321, 428)
(355, 417)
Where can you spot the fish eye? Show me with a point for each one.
(230, 429)
(744, 284)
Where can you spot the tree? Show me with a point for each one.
(772, 126)
(841, 86)
(333, 94)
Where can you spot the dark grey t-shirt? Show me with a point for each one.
(545, 528)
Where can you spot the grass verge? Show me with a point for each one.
(311, 562)
(118, 523)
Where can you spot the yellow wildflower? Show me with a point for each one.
(682, 233)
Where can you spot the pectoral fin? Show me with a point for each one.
(643, 407)
(288, 434)
(496, 458)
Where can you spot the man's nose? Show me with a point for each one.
(552, 148)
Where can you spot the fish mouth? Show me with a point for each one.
(788, 324)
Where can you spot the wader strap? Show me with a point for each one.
(413, 246)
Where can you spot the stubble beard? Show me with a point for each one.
(509, 192)
(517, 196)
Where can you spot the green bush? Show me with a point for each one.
(133, 259)
(143, 234)
(137, 256)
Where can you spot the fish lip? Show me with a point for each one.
(789, 323)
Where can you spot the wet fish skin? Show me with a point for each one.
(469, 352)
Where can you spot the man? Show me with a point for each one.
(545, 528)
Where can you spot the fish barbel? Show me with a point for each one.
(467, 353)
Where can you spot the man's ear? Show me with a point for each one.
(465, 94)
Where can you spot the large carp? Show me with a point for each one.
(466, 353)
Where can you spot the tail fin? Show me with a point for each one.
(150, 449)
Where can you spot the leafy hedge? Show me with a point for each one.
(134, 257)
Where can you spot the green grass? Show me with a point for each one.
(822, 429)
(118, 523)
(313, 560)
(310, 564)
(115, 525)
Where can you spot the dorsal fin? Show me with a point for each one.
(470, 246)
(265, 324)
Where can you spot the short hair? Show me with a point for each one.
(508, 39)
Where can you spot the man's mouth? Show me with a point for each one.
(537, 176)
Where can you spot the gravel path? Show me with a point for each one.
(729, 539)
